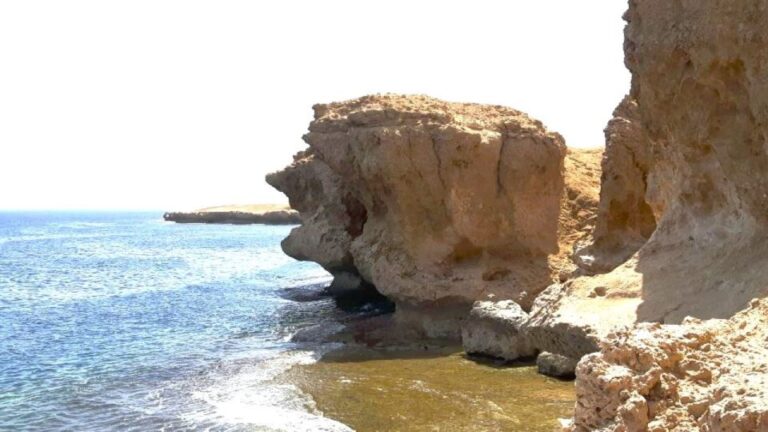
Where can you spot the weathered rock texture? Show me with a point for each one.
(556, 365)
(682, 222)
(495, 329)
(692, 160)
(698, 81)
(701, 375)
(331, 217)
(625, 220)
(437, 204)
(699, 78)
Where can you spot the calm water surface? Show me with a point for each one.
(124, 322)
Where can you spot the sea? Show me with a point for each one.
(122, 321)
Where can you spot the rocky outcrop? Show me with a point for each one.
(571, 318)
(556, 365)
(238, 215)
(701, 375)
(436, 204)
(698, 75)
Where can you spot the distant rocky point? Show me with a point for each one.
(268, 214)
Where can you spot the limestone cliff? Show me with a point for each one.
(437, 204)
(698, 79)
(331, 217)
(698, 73)
(681, 227)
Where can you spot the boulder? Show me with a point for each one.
(556, 365)
(495, 329)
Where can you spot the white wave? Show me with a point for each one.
(251, 397)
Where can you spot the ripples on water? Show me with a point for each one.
(125, 322)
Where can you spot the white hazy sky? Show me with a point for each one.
(180, 104)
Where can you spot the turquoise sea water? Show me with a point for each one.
(113, 321)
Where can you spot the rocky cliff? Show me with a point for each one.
(625, 219)
(698, 73)
(437, 204)
(698, 81)
(681, 225)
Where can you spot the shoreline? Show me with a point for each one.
(371, 389)
(370, 375)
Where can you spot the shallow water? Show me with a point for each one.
(113, 321)
(124, 322)
(432, 391)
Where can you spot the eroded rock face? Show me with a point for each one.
(451, 203)
(571, 317)
(625, 220)
(683, 200)
(330, 215)
(698, 73)
(701, 375)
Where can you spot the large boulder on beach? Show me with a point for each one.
(437, 204)
(556, 365)
(495, 329)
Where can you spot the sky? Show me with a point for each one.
(179, 104)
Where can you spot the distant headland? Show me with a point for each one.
(268, 214)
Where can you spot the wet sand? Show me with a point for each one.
(436, 390)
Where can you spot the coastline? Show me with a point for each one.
(268, 214)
